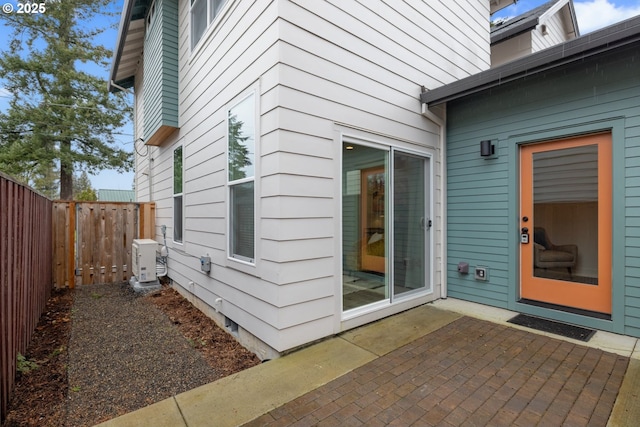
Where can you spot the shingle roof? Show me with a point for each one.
(106, 195)
(597, 42)
(520, 23)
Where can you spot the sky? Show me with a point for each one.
(591, 14)
(106, 179)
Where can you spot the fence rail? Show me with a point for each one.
(25, 274)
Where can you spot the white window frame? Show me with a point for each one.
(249, 261)
(177, 195)
(210, 19)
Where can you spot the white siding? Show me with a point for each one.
(510, 49)
(318, 66)
(143, 191)
(553, 29)
(556, 33)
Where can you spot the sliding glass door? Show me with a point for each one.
(386, 224)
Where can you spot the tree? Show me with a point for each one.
(88, 195)
(82, 189)
(43, 177)
(60, 116)
(238, 151)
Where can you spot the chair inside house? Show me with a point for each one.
(547, 255)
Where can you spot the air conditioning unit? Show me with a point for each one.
(143, 260)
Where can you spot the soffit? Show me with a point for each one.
(129, 45)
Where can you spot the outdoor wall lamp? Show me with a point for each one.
(487, 149)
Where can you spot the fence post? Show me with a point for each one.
(71, 260)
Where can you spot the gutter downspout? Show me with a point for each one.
(112, 83)
(443, 192)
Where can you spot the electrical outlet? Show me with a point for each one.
(481, 273)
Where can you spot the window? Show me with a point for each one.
(203, 13)
(241, 176)
(177, 195)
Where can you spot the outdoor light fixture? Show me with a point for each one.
(487, 149)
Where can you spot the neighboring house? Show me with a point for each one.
(284, 141)
(106, 195)
(553, 214)
(547, 25)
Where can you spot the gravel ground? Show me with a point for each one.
(125, 354)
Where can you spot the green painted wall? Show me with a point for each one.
(160, 77)
(596, 94)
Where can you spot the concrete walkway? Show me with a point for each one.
(433, 365)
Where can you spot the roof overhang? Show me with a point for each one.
(606, 39)
(496, 5)
(573, 18)
(530, 20)
(515, 30)
(129, 45)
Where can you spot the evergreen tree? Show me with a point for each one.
(60, 116)
(238, 151)
(42, 177)
(82, 189)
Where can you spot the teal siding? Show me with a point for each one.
(596, 94)
(161, 69)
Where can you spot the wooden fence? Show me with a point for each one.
(92, 240)
(63, 244)
(25, 274)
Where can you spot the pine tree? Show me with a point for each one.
(60, 116)
(238, 151)
(82, 189)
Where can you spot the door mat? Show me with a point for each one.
(558, 328)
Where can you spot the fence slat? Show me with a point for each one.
(97, 240)
(26, 230)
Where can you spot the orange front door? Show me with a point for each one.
(565, 222)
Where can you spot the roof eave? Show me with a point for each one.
(521, 28)
(606, 39)
(497, 5)
(574, 18)
(123, 28)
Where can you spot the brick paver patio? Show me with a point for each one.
(468, 373)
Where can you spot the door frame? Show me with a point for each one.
(557, 292)
(391, 305)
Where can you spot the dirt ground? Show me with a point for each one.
(43, 395)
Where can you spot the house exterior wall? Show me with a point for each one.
(552, 30)
(161, 70)
(320, 70)
(142, 165)
(549, 32)
(510, 49)
(597, 94)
